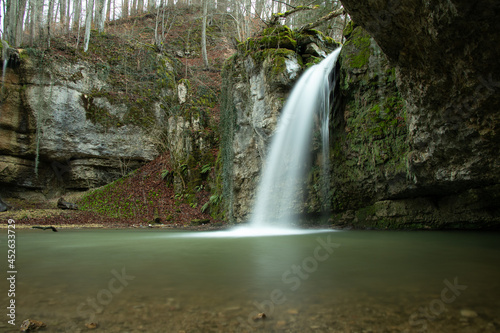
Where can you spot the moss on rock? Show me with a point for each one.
(369, 154)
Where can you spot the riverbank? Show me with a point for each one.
(30, 213)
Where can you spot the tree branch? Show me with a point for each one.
(275, 17)
(287, 4)
(325, 18)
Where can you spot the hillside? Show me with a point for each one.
(171, 189)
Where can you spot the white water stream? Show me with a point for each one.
(280, 188)
(5, 58)
(278, 194)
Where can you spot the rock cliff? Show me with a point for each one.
(443, 55)
(65, 125)
(369, 134)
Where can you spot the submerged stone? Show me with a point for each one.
(30, 325)
(468, 313)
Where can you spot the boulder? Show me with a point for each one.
(62, 204)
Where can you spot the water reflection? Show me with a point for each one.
(305, 283)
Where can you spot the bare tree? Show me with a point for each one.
(133, 9)
(151, 6)
(62, 13)
(39, 18)
(204, 34)
(100, 15)
(165, 19)
(140, 6)
(20, 19)
(50, 12)
(14, 11)
(108, 11)
(77, 14)
(88, 23)
(125, 9)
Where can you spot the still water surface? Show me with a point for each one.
(340, 281)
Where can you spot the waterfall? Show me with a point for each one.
(280, 188)
(5, 58)
(283, 174)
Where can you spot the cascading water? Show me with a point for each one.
(5, 58)
(279, 190)
(280, 186)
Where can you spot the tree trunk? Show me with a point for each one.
(100, 14)
(151, 6)
(11, 19)
(133, 10)
(39, 20)
(259, 9)
(62, 14)
(35, 18)
(88, 23)
(32, 23)
(125, 9)
(49, 20)
(68, 16)
(77, 14)
(20, 21)
(204, 34)
(108, 11)
(247, 16)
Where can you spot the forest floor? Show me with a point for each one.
(142, 199)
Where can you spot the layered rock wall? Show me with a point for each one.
(444, 56)
(59, 132)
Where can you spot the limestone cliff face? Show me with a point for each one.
(60, 131)
(369, 134)
(257, 81)
(444, 55)
(415, 139)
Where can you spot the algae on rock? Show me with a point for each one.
(369, 136)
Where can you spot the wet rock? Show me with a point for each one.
(61, 204)
(197, 222)
(30, 325)
(91, 326)
(313, 49)
(468, 313)
(260, 316)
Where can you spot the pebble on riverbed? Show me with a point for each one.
(468, 313)
(91, 326)
(260, 316)
(30, 325)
